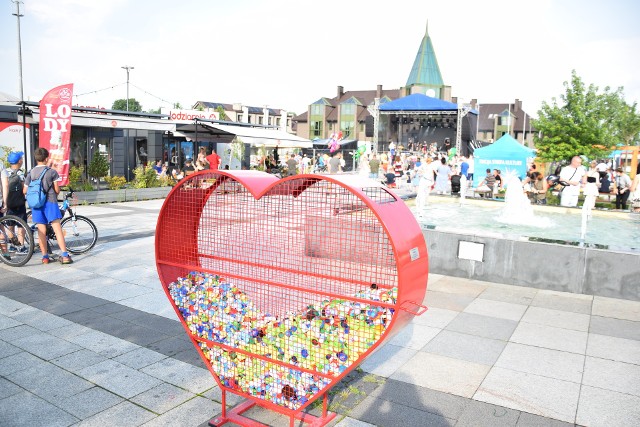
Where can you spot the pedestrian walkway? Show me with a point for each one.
(97, 343)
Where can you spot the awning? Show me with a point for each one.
(259, 137)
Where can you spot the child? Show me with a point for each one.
(50, 212)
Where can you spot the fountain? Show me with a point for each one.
(517, 206)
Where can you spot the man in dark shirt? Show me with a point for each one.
(188, 167)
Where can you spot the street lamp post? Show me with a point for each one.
(127, 67)
(18, 15)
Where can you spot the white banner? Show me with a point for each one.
(188, 116)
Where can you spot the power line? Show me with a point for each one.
(99, 90)
(157, 97)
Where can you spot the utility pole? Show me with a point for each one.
(18, 15)
(127, 67)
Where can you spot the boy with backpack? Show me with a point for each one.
(44, 179)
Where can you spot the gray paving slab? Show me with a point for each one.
(190, 356)
(542, 361)
(41, 320)
(465, 347)
(414, 336)
(511, 294)
(421, 398)
(352, 422)
(8, 322)
(7, 349)
(613, 348)
(139, 358)
(26, 410)
(102, 343)
(7, 388)
(531, 420)
(171, 346)
(480, 414)
(531, 393)
(49, 382)
(162, 398)
(122, 414)
(598, 407)
(57, 306)
(442, 373)
(499, 309)
(118, 378)
(73, 362)
(483, 326)
(19, 362)
(45, 346)
(381, 412)
(89, 402)
(447, 301)
(181, 374)
(215, 394)
(557, 318)
(17, 332)
(616, 308)
(191, 413)
(69, 331)
(606, 326)
(612, 375)
(386, 360)
(563, 301)
(435, 317)
(550, 337)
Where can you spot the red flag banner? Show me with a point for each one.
(55, 128)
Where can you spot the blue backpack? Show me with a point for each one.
(36, 197)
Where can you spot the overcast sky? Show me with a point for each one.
(287, 54)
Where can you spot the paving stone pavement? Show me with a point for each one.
(97, 343)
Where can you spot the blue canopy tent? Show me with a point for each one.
(506, 154)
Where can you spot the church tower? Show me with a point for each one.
(425, 74)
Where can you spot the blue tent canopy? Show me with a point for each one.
(506, 154)
(418, 102)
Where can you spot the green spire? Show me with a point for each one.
(425, 70)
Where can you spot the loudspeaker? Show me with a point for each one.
(368, 127)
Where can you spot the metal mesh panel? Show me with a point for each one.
(284, 293)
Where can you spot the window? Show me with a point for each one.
(317, 110)
(316, 129)
(346, 127)
(278, 121)
(260, 118)
(347, 109)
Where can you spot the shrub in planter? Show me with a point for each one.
(116, 182)
(99, 167)
(145, 177)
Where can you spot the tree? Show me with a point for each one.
(156, 111)
(221, 113)
(121, 105)
(585, 122)
(630, 125)
(98, 167)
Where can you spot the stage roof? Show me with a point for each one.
(418, 102)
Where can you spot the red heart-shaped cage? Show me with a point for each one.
(286, 285)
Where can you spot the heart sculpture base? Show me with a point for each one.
(234, 415)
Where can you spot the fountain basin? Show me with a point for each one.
(461, 246)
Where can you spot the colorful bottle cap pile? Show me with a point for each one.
(324, 338)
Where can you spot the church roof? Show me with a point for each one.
(425, 70)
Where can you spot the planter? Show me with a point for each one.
(123, 195)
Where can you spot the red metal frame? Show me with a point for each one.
(240, 254)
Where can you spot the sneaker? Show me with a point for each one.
(22, 250)
(6, 256)
(65, 260)
(46, 260)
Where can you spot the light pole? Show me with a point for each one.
(18, 15)
(127, 67)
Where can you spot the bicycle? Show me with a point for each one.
(80, 233)
(16, 241)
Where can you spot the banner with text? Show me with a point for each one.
(55, 128)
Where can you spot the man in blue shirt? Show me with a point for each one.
(464, 168)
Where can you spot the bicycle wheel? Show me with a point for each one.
(80, 234)
(16, 241)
